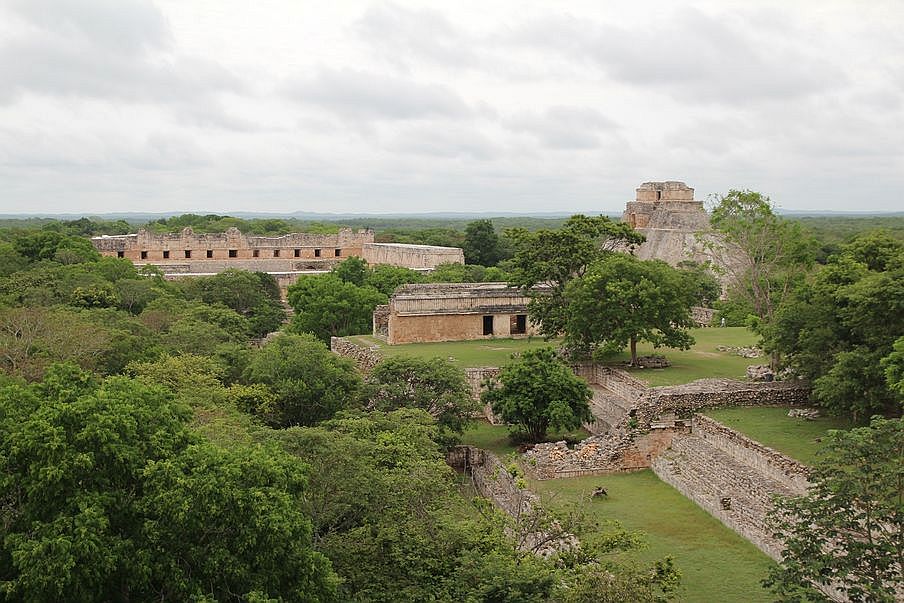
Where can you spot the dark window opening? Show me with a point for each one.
(166, 255)
(144, 255)
(338, 253)
(519, 324)
(120, 254)
(316, 253)
(233, 253)
(298, 253)
(276, 253)
(487, 325)
(255, 253)
(187, 253)
(210, 253)
(658, 195)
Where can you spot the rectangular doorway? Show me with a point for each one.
(487, 325)
(519, 324)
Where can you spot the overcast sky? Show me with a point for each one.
(515, 106)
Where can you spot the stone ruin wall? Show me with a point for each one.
(492, 480)
(381, 321)
(301, 245)
(632, 441)
(731, 477)
(365, 358)
(773, 464)
(416, 257)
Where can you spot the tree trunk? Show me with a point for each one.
(633, 351)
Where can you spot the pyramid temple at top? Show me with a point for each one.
(672, 222)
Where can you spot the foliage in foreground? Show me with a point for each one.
(847, 532)
(109, 495)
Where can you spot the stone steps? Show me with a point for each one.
(608, 409)
(737, 494)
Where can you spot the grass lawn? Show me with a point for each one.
(702, 360)
(495, 437)
(771, 426)
(716, 564)
(466, 354)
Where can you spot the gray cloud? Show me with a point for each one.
(560, 127)
(365, 95)
(692, 56)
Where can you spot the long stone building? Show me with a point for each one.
(286, 257)
(453, 312)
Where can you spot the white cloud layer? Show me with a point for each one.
(416, 106)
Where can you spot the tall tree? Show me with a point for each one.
(762, 254)
(622, 300)
(540, 391)
(309, 382)
(327, 306)
(550, 259)
(837, 327)
(431, 384)
(847, 533)
(482, 246)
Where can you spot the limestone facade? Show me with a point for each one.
(208, 252)
(287, 257)
(454, 312)
(674, 224)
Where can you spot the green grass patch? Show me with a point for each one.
(771, 426)
(495, 437)
(702, 361)
(466, 354)
(716, 564)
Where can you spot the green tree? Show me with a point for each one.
(386, 279)
(540, 391)
(328, 307)
(352, 270)
(254, 295)
(387, 512)
(482, 246)
(431, 384)
(701, 281)
(33, 338)
(550, 259)
(837, 328)
(108, 495)
(893, 365)
(847, 532)
(763, 255)
(621, 300)
(309, 382)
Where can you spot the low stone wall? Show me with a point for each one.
(365, 358)
(476, 377)
(732, 477)
(381, 321)
(633, 441)
(493, 481)
(771, 463)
